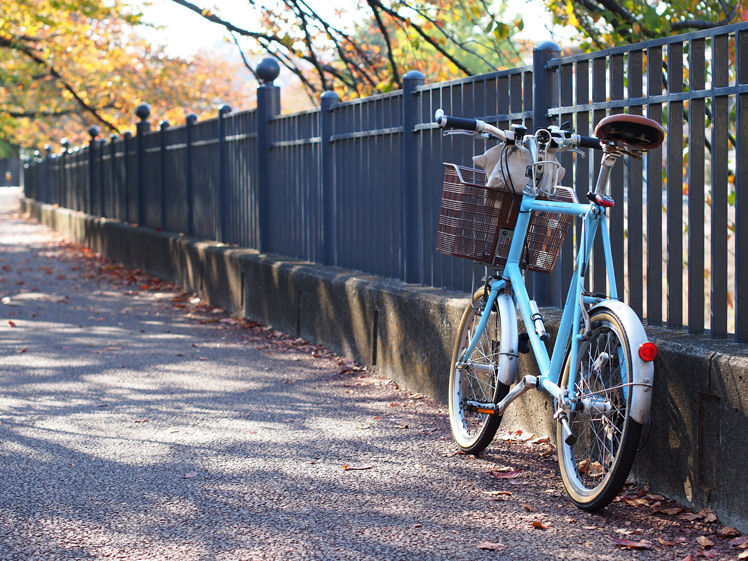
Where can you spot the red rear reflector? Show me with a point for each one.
(648, 351)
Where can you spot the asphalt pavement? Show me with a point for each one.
(139, 423)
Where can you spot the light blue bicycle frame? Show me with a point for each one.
(593, 219)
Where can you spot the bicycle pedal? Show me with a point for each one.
(523, 343)
(477, 407)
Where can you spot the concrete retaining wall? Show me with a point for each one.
(695, 450)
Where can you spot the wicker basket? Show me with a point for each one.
(477, 222)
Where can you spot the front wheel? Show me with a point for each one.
(596, 465)
(472, 430)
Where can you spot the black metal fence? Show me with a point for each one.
(358, 184)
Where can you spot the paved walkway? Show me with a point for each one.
(138, 423)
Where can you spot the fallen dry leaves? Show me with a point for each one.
(346, 467)
(630, 544)
(704, 542)
(491, 546)
(497, 474)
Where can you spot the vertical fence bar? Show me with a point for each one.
(599, 95)
(143, 111)
(675, 188)
(223, 216)
(189, 124)
(741, 200)
(411, 188)
(268, 105)
(93, 132)
(582, 170)
(635, 220)
(720, 78)
(566, 99)
(163, 128)
(547, 287)
(654, 195)
(696, 140)
(328, 100)
(616, 223)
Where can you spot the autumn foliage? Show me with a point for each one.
(66, 65)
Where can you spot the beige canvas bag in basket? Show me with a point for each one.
(508, 172)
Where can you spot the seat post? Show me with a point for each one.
(610, 156)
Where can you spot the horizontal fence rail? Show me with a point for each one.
(357, 184)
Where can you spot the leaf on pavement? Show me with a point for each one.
(728, 532)
(505, 475)
(11, 323)
(491, 546)
(704, 542)
(630, 544)
(529, 508)
(741, 542)
(637, 502)
(538, 525)
(671, 511)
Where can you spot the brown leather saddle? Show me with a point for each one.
(636, 131)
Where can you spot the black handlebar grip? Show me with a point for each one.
(589, 142)
(449, 122)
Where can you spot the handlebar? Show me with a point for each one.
(474, 125)
(588, 142)
(480, 127)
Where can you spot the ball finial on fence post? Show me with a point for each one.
(93, 132)
(143, 111)
(267, 71)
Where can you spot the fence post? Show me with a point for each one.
(47, 174)
(190, 121)
(126, 136)
(268, 105)
(115, 184)
(547, 287)
(102, 184)
(411, 216)
(327, 166)
(163, 126)
(93, 132)
(64, 198)
(142, 111)
(222, 187)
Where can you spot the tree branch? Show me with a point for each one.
(29, 52)
(241, 54)
(386, 36)
(423, 34)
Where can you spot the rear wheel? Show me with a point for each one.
(596, 466)
(472, 430)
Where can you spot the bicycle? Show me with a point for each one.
(600, 371)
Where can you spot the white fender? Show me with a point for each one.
(509, 340)
(642, 372)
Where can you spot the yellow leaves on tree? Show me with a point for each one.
(66, 66)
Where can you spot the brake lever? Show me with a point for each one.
(458, 131)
